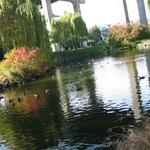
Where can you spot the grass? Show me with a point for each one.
(66, 57)
(138, 139)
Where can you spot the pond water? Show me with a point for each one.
(85, 106)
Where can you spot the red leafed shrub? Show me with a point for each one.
(20, 55)
(22, 64)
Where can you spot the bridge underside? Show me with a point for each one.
(39, 1)
(141, 11)
(53, 1)
(46, 8)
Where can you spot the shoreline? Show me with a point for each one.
(9, 85)
(68, 57)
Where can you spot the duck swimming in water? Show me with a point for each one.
(141, 77)
(25, 92)
(20, 99)
(36, 95)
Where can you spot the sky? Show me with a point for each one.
(100, 12)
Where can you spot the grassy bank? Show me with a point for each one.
(65, 57)
(138, 139)
(120, 37)
(21, 65)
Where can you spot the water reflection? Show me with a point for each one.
(63, 93)
(33, 122)
(145, 85)
(112, 83)
(79, 108)
(89, 108)
(135, 88)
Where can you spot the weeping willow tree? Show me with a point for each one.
(69, 30)
(79, 29)
(21, 25)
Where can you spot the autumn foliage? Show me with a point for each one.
(125, 34)
(22, 64)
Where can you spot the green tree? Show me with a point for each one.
(69, 30)
(79, 29)
(149, 3)
(21, 25)
(95, 34)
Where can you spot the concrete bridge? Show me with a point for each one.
(46, 9)
(141, 5)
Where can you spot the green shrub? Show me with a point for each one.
(94, 34)
(22, 64)
(69, 30)
(67, 57)
(22, 25)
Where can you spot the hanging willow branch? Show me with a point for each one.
(21, 25)
(69, 30)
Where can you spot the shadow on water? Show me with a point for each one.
(85, 106)
(33, 121)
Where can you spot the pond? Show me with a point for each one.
(85, 105)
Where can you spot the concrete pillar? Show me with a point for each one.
(126, 11)
(147, 9)
(76, 6)
(142, 12)
(47, 11)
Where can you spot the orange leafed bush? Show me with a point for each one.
(22, 64)
(20, 54)
(124, 34)
(126, 31)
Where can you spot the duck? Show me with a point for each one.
(79, 88)
(20, 99)
(13, 104)
(36, 95)
(2, 101)
(47, 90)
(141, 77)
(25, 92)
(10, 100)
(1, 97)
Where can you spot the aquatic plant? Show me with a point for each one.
(138, 139)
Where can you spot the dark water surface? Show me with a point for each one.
(85, 106)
